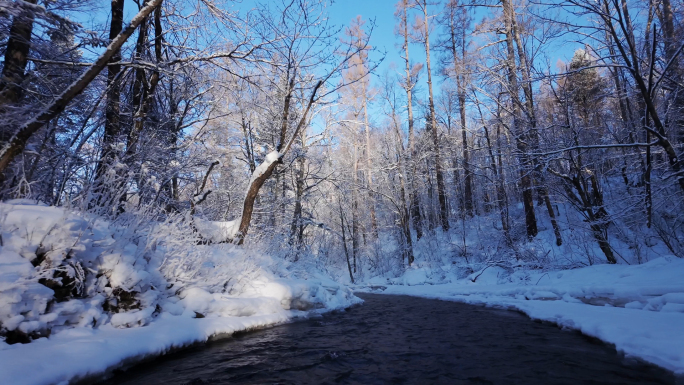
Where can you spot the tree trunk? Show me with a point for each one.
(521, 143)
(149, 91)
(139, 82)
(632, 61)
(502, 184)
(297, 214)
(344, 243)
(405, 224)
(355, 203)
(668, 29)
(250, 198)
(441, 191)
(459, 72)
(676, 104)
(404, 212)
(414, 199)
(369, 176)
(112, 109)
(603, 243)
(13, 71)
(533, 133)
(500, 189)
(467, 174)
(249, 144)
(596, 217)
(257, 181)
(18, 141)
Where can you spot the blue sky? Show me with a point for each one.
(383, 39)
(341, 13)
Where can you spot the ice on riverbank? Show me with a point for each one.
(637, 308)
(80, 295)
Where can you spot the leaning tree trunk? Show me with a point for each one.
(534, 135)
(265, 170)
(13, 74)
(597, 217)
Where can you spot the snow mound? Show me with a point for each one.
(217, 231)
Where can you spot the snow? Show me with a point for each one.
(270, 158)
(81, 353)
(217, 231)
(121, 291)
(637, 308)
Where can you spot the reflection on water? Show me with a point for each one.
(402, 340)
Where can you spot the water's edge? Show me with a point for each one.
(151, 358)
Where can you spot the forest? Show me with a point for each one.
(242, 123)
(523, 136)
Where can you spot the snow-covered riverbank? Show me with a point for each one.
(83, 353)
(80, 295)
(638, 308)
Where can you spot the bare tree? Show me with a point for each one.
(410, 80)
(457, 20)
(424, 27)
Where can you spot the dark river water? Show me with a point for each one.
(402, 340)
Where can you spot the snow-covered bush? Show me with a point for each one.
(63, 269)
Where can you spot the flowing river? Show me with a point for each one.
(402, 340)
